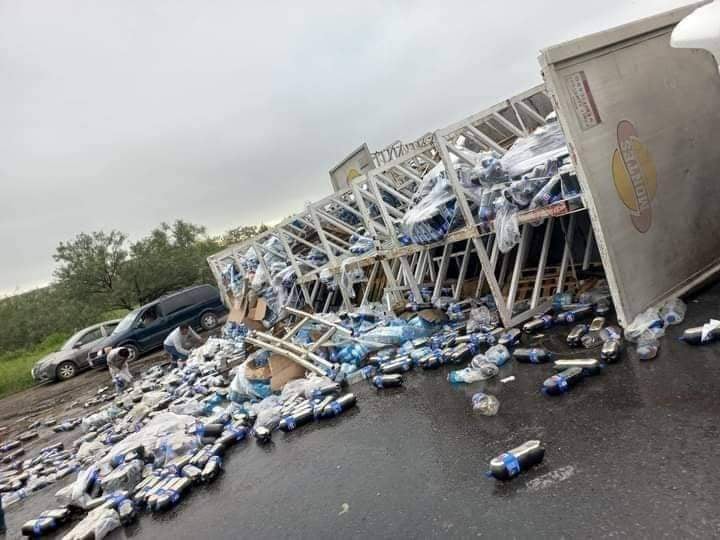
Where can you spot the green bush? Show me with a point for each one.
(15, 366)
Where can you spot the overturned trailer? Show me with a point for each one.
(454, 215)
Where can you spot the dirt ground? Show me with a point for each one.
(59, 400)
(63, 400)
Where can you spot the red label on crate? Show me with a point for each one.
(585, 108)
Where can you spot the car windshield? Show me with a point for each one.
(126, 323)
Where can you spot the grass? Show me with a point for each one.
(15, 366)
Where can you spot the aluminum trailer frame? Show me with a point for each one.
(400, 269)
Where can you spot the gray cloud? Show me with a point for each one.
(122, 114)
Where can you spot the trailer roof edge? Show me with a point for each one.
(589, 43)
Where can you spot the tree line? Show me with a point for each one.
(101, 274)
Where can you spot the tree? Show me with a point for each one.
(241, 234)
(91, 265)
(169, 258)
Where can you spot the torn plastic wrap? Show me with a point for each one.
(81, 491)
(507, 229)
(327, 278)
(434, 213)
(350, 276)
(647, 320)
(481, 320)
(232, 278)
(124, 477)
(360, 244)
(545, 144)
(162, 438)
(488, 170)
(242, 390)
(268, 411)
(96, 525)
(100, 418)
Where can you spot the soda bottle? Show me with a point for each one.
(339, 406)
(698, 335)
(510, 338)
(396, 366)
(38, 527)
(590, 366)
(192, 472)
(470, 375)
(511, 463)
(562, 382)
(212, 469)
(539, 323)
(574, 338)
(498, 355)
(532, 356)
(570, 316)
(610, 351)
(485, 404)
(296, 419)
(387, 381)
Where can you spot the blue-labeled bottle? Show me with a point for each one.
(572, 315)
(387, 381)
(532, 356)
(562, 382)
(510, 464)
(539, 323)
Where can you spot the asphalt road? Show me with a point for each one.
(629, 453)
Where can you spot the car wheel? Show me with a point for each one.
(66, 370)
(208, 321)
(133, 350)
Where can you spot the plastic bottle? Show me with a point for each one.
(610, 351)
(38, 527)
(539, 323)
(532, 356)
(562, 382)
(591, 340)
(513, 462)
(498, 355)
(470, 375)
(510, 338)
(212, 469)
(339, 406)
(570, 316)
(485, 404)
(396, 366)
(387, 381)
(611, 332)
(432, 361)
(171, 494)
(590, 366)
(9, 446)
(296, 419)
(647, 350)
(574, 338)
(701, 334)
(192, 472)
(459, 354)
(673, 311)
(603, 306)
(11, 498)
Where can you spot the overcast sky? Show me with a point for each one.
(122, 114)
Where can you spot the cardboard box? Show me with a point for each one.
(283, 370)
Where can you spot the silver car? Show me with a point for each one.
(73, 355)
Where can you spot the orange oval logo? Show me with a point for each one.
(634, 176)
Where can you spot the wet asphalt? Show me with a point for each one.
(629, 453)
